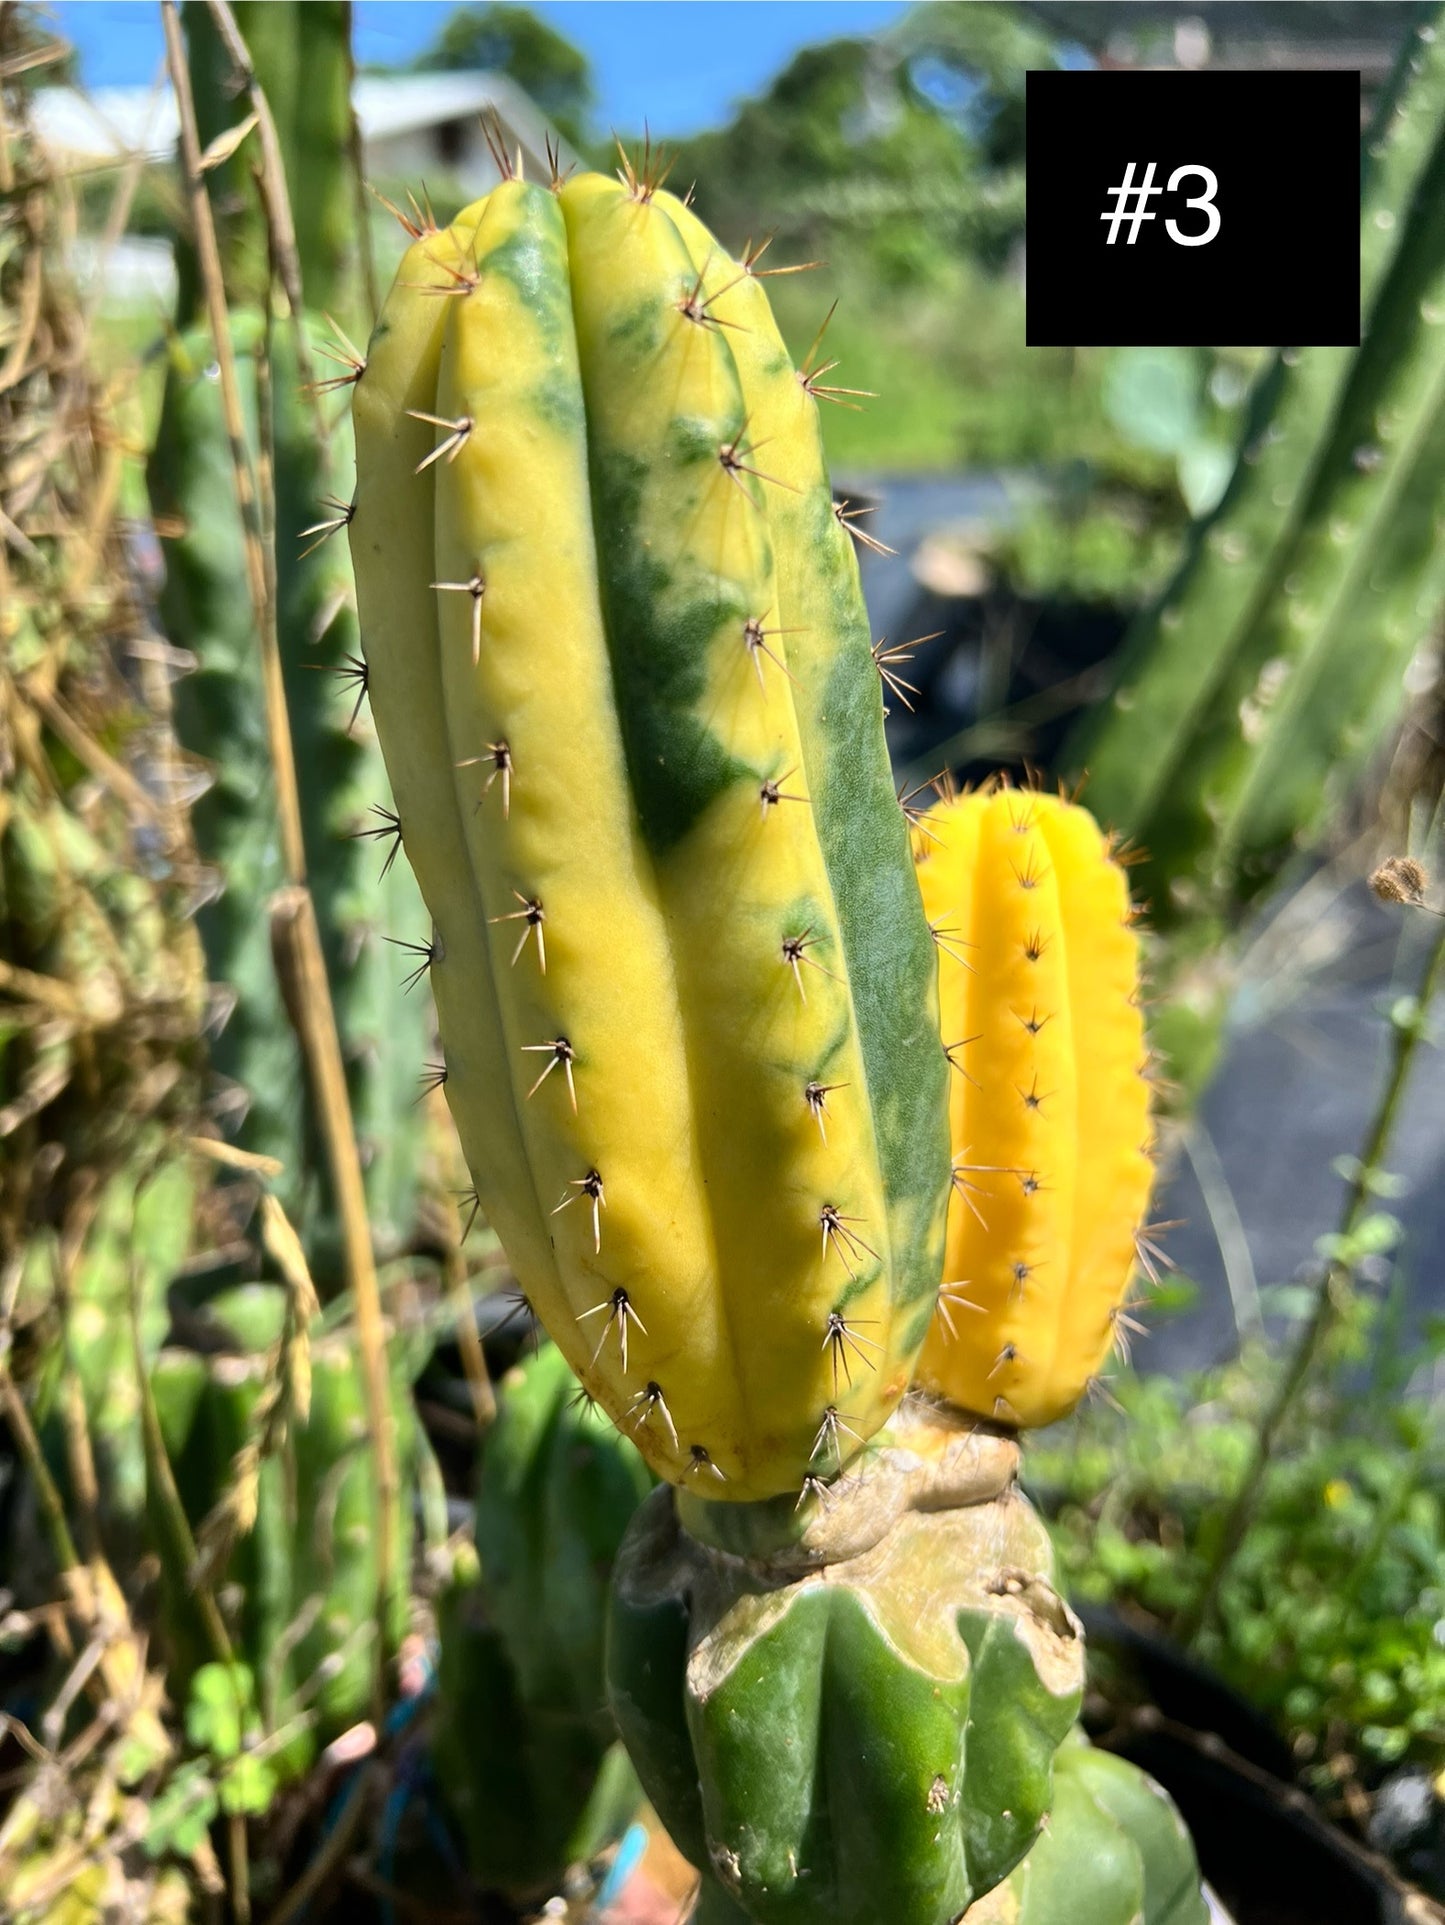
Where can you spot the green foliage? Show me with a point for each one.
(234, 1771)
(224, 1720)
(843, 146)
(1330, 1614)
(951, 383)
(513, 40)
(972, 59)
(895, 157)
(1093, 544)
(1159, 399)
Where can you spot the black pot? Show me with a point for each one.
(1265, 1847)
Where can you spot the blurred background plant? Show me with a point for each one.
(235, 1289)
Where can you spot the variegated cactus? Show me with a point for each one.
(1051, 1127)
(623, 681)
(621, 674)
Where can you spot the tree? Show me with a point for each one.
(905, 150)
(972, 61)
(514, 41)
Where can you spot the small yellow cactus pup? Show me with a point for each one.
(1050, 1107)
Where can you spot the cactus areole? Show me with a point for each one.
(620, 668)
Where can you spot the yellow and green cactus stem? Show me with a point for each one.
(1050, 1104)
(620, 669)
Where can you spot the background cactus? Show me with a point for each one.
(526, 1751)
(300, 52)
(73, 1309)
(689, 1031)
(1039, 985)
(381, 1010)
(1274, 662)
(268, 1442)
(1115, 1852)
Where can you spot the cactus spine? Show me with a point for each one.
(709, 1133)
(1038, 984)
(1274, 661)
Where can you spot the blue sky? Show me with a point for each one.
(679, 64)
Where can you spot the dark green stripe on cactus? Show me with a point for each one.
(659, 628)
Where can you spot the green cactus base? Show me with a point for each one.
(1114, 1852)
(526, 1752)
(871, 1708)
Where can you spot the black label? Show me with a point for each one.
(1193, 209)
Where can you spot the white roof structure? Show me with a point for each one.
(401, 104)
(110, 124)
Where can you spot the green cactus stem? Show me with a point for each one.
(361, 896)
(868, 1707)
(135, 1241)
(525, 1745)
(300, 52)
(300, 1560)
(1275, 662)
(1114, 1852)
